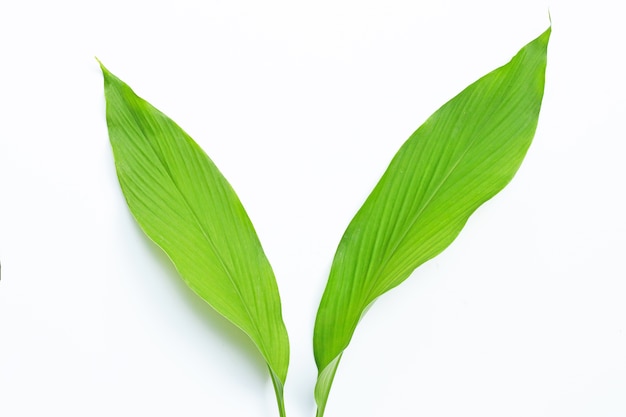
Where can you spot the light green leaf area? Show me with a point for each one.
(184, 204)
(464, 154)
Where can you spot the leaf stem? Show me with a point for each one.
(278, 389)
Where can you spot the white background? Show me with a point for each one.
(302, 105)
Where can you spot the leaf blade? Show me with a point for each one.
(463, 155)
(185, 205)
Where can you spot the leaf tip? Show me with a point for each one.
(105, 71)
(550, 18)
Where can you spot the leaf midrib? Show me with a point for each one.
(414, 220)
(195, 216)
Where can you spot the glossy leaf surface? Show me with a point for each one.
(464, 154)
(184, 204)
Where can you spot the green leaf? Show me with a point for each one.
(184, 204)
(464, 154)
